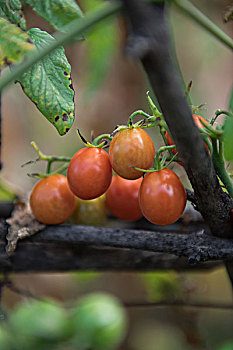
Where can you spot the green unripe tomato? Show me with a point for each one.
(43, 320)
(90, 212)
(99, 322)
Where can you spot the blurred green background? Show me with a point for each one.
(108, 87)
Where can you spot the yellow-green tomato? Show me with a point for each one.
(99, 322)
(90, 212)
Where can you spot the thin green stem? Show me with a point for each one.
(48, 170)
(218, 113)
(189, 9)
(47, 158)
(162, 132)
(218, 160)
(41, 176)
(74, 28)
(99, 138)
(139, 112)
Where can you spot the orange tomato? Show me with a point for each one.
(51, 200)
(122, 198)
(131, 147)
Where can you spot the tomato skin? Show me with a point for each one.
(91, 212)
(51, 200)
(89, 173)
(122, 198)
(162, 197)
(198, 123)
(131, 147)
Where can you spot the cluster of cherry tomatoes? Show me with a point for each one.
(159, 195)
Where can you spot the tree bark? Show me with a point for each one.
(66, 248)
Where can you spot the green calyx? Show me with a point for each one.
(161, 163)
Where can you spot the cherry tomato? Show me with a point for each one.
(196, 119)
(122, 198)
(162, 197)
(89, 173)
(131, 147)
(90, 212)
(51, 200)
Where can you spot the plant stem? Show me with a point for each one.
(189, 9)
(81, 25)
(219, 165)
(74, 28)
(103, 137)
(42, 176)
(49, 159)
(139, 112)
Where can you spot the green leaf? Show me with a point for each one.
(14, 43)
(231, 101)
(57, 12)
(12, 10)
(228, 139)
(48, 84)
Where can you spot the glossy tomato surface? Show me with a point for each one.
(162, 197)
(51, 200)
(122, 198)
(197, 120)
(131, 147)
(89, 173)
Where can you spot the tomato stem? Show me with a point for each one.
(153, 107)
(41, 175)
(134, 114)
(210, 131)
(49, 159)
(218, 113)
(219, 165)
(103, 138)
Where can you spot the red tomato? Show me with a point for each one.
(131, 147)
(122, 198)
(196, 119)
(162, 197)
(51, 200)
(89, 173)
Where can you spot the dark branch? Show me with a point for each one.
(149, 42)
(66, 248)
(191, 196)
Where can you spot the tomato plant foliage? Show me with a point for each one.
(53, 97)
(48, 83)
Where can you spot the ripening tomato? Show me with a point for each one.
(196, 119)
(162, 197)
(122, 198)
(89, 173)
(131, 147)
(51, 200)
(90, 212)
